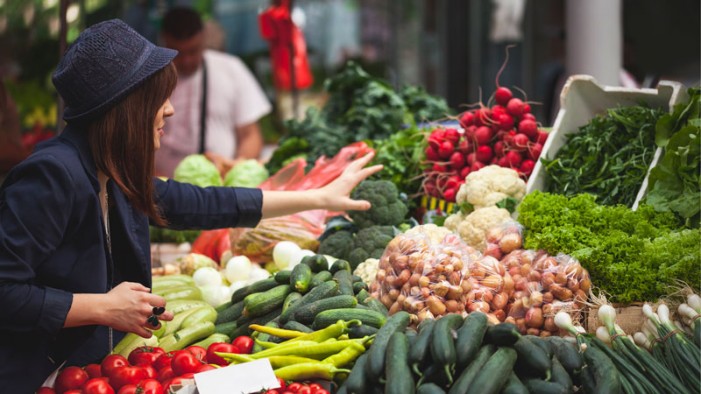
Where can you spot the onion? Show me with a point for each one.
(534, 318)
(694, 302)
(207, 276)
(238, 268)
(283, 252)
(603, 335)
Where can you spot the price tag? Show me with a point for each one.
(250, 377)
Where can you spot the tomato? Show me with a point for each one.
(244, 343)
(221, 347)
(189, 375)
(315, 386)
(304, 390)
(73, 391)
(150, 371)
(320, 391)
(149, 386)
(145, 355)
(111, 362)
(163, 360)
(122, 376)
(184, 362)
(294, 387)
(177, 381)
(282, 383)
(272, 392)
(288, 392)
(205, 367)
(165, 373)
(93, 370)
(71, 378)
(128, 389)
(97, 386)
(198, 351)
(45, 390)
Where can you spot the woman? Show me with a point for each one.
(74, 216)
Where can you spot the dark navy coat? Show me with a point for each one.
(52, 244)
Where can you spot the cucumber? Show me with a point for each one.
(375, 365)
(376, 305)
(222, 307)
(514, 385)
(257, 287)
(214, 338)
(429, 388)
(331, 316)
(361, 296)
(495, 373)
(300, 278)
(230, 314)
(345, 282)
(443, 343)
(186, 337)
(397, 371)
(319, 278)
(503, 334)
(205, 313)
(358, 286)
(470, 336)
(356, 278)
(532, 357)
(340, 264)
(361, 331)
(542, 387)
(355, 383)
(567, 354)
(283, 277)
(226, 328)
(468, 374)
(258, 304)
(297, 326)
(434, 374)
(244, 322)
(306, 313)
(324, 290)
(317, 262)
(560, 376)
(606, 377)
(420, 349)
(290, 299)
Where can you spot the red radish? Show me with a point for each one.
(484, 154)
(526, 108)
(499, 149)
(483, 135)
(534, 151)
(542, 137)
(439, 167)
(464, 172)
(449, 194)
(515, 107)
(483, 116)
(467, 119)
(505, 121)
(430, 188)
(503, 162)
(509, 139)
(527, 167)
(452, 135)
(431, 154)
(471, 158)
(498, 110)
(528, 116)
(438, 134)
(513, 158)
(494, 160)
(521, 141)
(476, 166)
(465, 146)
(529, 128)
(502, 95)
(470, 132)
(453, 182)
(434, 142)
(457, 160)
(446, 149)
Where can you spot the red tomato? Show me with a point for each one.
(98, 386)
(221, 347)
(288, 392)
(93, 370)
(128, 389)
(165, 373)
(185, 362)
(205, 367)
(151, 372)
(45, 390)
(294, 387)
(144, 355)
(73, 391)
(272, 392)
(163, 360)
(71, 378)
(172, 382)
(282, 383)
(198, 351)
(189, 375)
(304, 390)
(122, 376)
(111, 362)
(315, 386)
(320, 391)
(149, 386)
(244, 343)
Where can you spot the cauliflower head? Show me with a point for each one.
(491, 184)
(474, 226)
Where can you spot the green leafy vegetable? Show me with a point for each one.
(402, 155)
(197, 170)
(248, 173)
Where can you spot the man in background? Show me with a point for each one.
(217, 100)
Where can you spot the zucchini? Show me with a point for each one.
(230, 314)
(355, 383)
(560, 376)
(283, 277)
(503, 334)
(345, 282)
(214, 338)
(495, 373)
(301, 277)
(257, 287)
(290, 299)
(606, 377)
(258, 304)
(532, 357)
(205, 313)
(542, 387)
(186, 337)
(297, 326)
(226, 328)
(340, 264)
(443, 343)
(187, 292)
(420, 349)
(324, 290)
(361, 331)
(306, 313)
(319, 278)
(178, 306)
(470, 336)
(375, 365)
(317, 262)
(177, 322)
(331, 316)
(429, 388)
(464, 381)
(514, 385)
(397, 371)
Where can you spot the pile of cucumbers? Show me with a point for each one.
(458, 356)
(311, 296)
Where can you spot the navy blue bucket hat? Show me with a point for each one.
(104, 64)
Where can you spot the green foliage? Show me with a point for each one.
(387, 208)
(426, 108)
(159, 234)
(402, 155)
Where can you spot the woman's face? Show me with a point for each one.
(165, 111)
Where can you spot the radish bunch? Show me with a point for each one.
(505, 134)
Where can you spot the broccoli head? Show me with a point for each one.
(387, 208)
(370, 242)
(338, 244)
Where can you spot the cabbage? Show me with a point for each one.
(197, 170)
(248, 173)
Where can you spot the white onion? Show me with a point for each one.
(283, 252)
(238, 268)
(207, 276)
(298, 256)
(257, 273)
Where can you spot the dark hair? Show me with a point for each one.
(181, 23)
(122, 140)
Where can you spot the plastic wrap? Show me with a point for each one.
(491, 287)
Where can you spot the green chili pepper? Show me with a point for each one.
(277, 332)
(332, 331)
(346, 356)
(309, 349)
(275, 361)
(317, 370)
